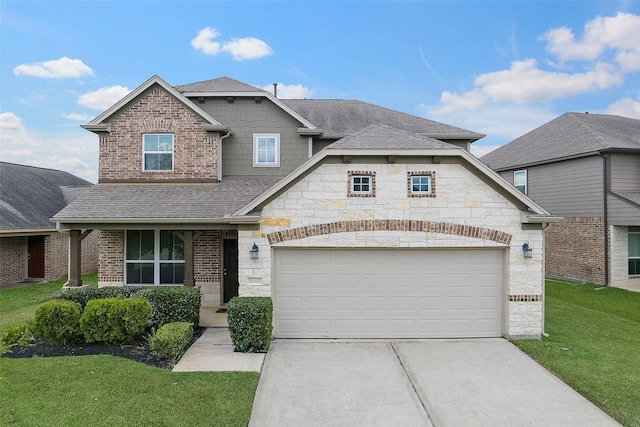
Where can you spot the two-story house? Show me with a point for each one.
(359, 221)
(586, 168)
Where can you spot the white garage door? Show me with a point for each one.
(391, 293)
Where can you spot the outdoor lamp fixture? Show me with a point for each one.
(527, 250)
(255, 252)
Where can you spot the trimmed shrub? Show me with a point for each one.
(115, 320)
(84, 295)
(250, 323)
(57, 321)
(171, 339)
(173, 304)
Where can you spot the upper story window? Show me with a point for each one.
(157, 152)
(362, 184)
(520, 180)
(421, 184)
(266, 150)
(634, 251)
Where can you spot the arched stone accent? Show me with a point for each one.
(389, 225)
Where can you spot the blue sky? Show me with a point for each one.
(501, 68)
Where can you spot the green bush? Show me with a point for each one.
(20, 334)
(250, 323)
(171, 339)
(115, 320)
(57, 321)
(83, 295)
(173, 304)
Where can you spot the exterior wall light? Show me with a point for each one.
(527, 250)
(254, 252)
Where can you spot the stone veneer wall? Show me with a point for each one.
(13, 259)
(463, 202)
(156, 111)
(619, 267)
(575, 249)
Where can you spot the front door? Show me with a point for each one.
(35, 268)
(229, 270)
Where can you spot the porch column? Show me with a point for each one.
(188, 258)
(75, 259)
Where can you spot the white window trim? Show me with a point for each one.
(629, 255)
(428, 184)
(156, 262)
(354, 191)
(257, 164)
(173, 146)
(523, 171)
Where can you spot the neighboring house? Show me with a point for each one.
(586, 168)
(30, 245)
(359, 221)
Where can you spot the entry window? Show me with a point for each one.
(157, 152)
(421, 184)
(266, 150)
(362, 184)
(520, 180)
(634, 251)
(154, 257)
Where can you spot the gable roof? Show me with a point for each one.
(221, 84)
(29, 196)
(344, 117)
(570, 135)
(387, 137)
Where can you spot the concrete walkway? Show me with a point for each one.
(414, 383)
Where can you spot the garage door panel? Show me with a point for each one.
(394, 293)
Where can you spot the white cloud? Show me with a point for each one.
(103, 98)
(78, 117)
(239, 48)
(618, 33)
(626, 107)
(13, 132)
(290, 91)
(481, 150)
(56, 69)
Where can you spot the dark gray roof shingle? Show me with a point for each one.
(163, 201)
(386, 137)
(571, 134)
(338, 116)
(29, 195)
(221, 84)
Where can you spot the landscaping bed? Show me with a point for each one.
(138, 352)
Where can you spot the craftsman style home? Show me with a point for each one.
(586, 168)
(359, 221)
(30, 246)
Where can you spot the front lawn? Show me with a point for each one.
(593, 345)
(110, 391)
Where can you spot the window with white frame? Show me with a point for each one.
(157, 152)
(520, 180)
(266, 150)
(154, 257)
(362, 184)
(634, 251)
(421, 184)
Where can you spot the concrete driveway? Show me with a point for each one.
(413, 383)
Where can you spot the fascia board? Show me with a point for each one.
(471, 136)
(224, 220)
(155, 79)
(539, 219)
(27, 232)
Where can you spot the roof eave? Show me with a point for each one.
(471, 136)
(539, 219)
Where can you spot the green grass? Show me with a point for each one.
(18, 304)
(110, 391)
(593, 345)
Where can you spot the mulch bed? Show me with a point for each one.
(139, 351)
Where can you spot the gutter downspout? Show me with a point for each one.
(226, 135)
(605, 182)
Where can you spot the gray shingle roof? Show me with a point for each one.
(161, 201)
(29, 195)
(571, 134)
(338, 116)
(386, 137)
(221, 84)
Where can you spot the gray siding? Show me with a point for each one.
(621, 212)
(570, 188)
(246, 117)
(625, 172)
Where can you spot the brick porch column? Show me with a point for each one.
(188, 258)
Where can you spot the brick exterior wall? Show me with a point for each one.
(111, 258)
(575, 249)
(13, 259)
(156, 111)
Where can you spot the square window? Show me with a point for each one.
(154, 257)
(157, 152)
(362, 184)
(266, 150)
(520, 180)
(421, 184)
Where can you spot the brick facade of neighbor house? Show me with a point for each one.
(575, 249)
(195, 152)
(13, 259)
